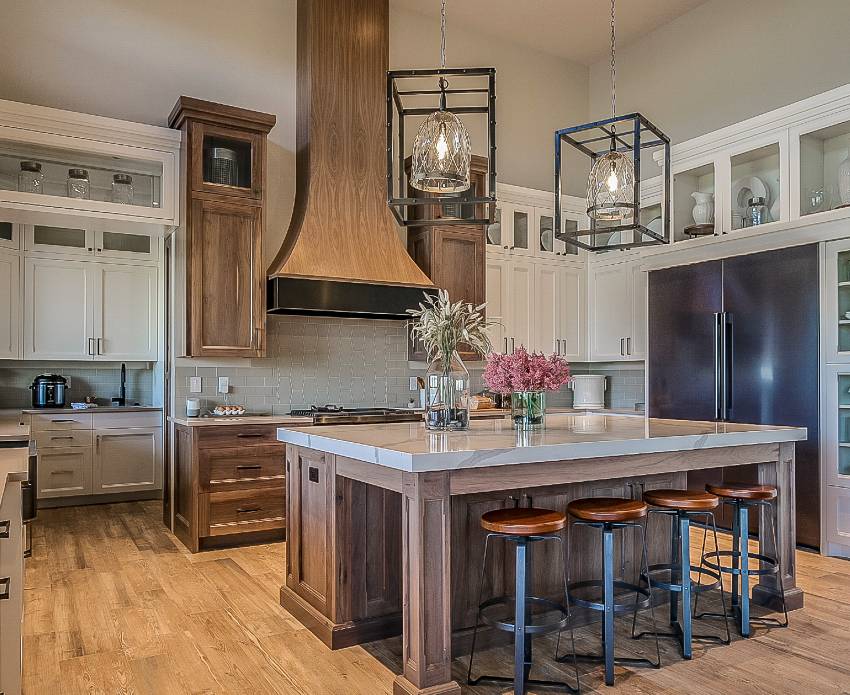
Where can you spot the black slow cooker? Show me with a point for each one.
(49, 391)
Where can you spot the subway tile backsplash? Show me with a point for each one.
(102, 382)
(349, 362)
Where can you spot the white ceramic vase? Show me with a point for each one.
(844, 180)
(704, 208)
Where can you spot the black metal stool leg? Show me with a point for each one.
(744, 544)
(520, 637)
(710, 515)
(675, 552)
(608, 600)
(736, 540)
(645, 555)
(565, 564)
(684, 524)
(469, 679)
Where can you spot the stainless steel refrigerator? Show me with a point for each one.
(737, 340)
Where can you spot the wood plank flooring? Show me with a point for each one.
(114, 604)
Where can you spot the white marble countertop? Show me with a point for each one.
(409, 447)
(11, 429)
(97, 409)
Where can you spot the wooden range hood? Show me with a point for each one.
(342, 255)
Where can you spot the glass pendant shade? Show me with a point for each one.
(610, 188)
(441, 155)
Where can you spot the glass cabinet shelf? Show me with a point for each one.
(55, 163)
(755, 174)
(824, 153)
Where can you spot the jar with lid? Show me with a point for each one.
(30, 178)
(122, 189)
(78, 184)
(756, 212)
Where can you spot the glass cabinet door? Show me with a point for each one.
(755, 194)
(60, 240)
(226, 161)
(522, 221)
(123, 245)
(8, 237)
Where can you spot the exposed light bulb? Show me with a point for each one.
(612, 181)
(442, 146)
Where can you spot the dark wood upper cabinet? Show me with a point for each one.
(224, 183)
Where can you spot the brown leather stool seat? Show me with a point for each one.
(607, 509)
(685, 500)
(743, 491)
(523, 521)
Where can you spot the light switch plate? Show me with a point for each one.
(224, 384)
(414, 385)
(195, 385)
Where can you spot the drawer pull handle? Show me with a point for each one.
(67, 436)
(7, 584)
(61, 472)
(5, 525)
(250, 436)
(63, 420)
(252, 467)
(249, 510)
(313, 474)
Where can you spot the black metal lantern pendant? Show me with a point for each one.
(613, 186)
(438, 169)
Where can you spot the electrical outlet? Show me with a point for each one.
(224, 384)
(414, 385)
(195, 384)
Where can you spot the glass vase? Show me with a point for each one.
(447, 399)
(528, 410)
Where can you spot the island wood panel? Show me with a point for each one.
(185, 482)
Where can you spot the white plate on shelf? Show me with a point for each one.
(748, 187)
(656, 224)
(546, 239)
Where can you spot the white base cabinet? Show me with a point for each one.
(84, 310)
(94, 454)
(12, 588)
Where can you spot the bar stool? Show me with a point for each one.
(609, 514)
(683, 506)
(742, 498)
(522, 526)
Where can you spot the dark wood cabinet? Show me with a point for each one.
(223, 177)
(229, 485)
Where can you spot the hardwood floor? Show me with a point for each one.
(114, 604)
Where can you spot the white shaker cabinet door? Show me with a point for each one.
(611, 313)
(521, 304)
(573, 314)
(127, 460)
(496, 296)
(10, 305)
(58, 309)
(640, 289)
(125, 313)
(548, 318)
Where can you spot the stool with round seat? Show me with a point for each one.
(522, 526)
(743, 497)
(684, 506)
(609, 514)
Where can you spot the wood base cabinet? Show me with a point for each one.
(229, 485)
(224, 182)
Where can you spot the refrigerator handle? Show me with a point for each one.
(729, 365)
(718, 352)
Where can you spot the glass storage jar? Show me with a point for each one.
(756, 212)
(122, 189)
(78, 184)
(30, 179)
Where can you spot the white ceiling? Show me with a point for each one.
(578, 30)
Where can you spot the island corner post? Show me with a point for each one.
(353, 527)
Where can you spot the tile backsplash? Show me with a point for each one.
(349, 362)
(103, 382)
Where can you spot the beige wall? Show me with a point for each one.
(728, 60)
(132, 61)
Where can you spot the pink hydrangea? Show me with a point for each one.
(524, 371)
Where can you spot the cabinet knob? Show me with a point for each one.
(6, 583)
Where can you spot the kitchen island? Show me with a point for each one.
(383, 520)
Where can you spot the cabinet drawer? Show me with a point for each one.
(232, 468)
(242, 511)
(210, 437)
(64, 472)
(60, 421)
(126, 420)
(53, 439)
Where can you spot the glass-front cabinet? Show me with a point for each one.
(835, 304)
(694, 204)
(66, 164)
(225, 162)
(755, 194)
(87, 242)
(824, 155)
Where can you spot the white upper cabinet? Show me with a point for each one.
(497, 298)
(548, 321)
(10, 302)
(81, 310)
(9, 236)
(523, 301)
(573, 313)
(125, 321)
(72, 241)
(59, 300)
(52, 142)
(617, 317)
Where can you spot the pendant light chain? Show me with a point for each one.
(443, 34)
(613, 74)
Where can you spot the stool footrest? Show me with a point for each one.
(678, 635)
(696, 587)
(735, 614)
(618, 607)
(530, 628)
(600, 658)
(530, 681)
(771, 568)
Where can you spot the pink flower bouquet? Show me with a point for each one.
(524, 371)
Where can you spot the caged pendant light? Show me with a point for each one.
(613, 185)
(441, 150)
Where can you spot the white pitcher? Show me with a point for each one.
(704, 208)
